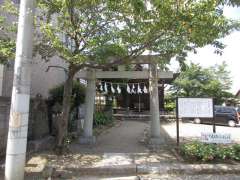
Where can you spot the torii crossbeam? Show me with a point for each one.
(124, 74)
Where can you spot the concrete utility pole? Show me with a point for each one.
(18, 123)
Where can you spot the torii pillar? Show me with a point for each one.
(154, 105)
(88, 137)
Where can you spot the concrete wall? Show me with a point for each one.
(41, 81)
(7, 80)
(38, 125)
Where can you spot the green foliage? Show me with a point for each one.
(199, 151)
(231, 2)
(78, 94)
(209, 152)
(7, 50)
(236, 150)
(224, 152)
(101, 118)
(170, 106)
(72, 30)
(88, 33)
(197, 81)
(8, 30)
(170, 102)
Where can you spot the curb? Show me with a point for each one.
(154, 168)
(122, 170)
(190, 169)
(126, 170)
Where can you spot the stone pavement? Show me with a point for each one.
(125, 137)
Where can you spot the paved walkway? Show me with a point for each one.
(125, 137)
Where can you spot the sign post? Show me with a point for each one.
(214, 121)
(177, 117)
(194, 108)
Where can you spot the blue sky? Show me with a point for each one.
(231, 55)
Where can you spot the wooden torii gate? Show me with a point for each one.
(153, 74)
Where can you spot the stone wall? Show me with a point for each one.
(38, 120)
(4, 116)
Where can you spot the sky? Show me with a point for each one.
(231, 54)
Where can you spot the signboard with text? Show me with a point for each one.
(216, 138)
(195, 107)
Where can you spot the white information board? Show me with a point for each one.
(195, 107)
(216, 138)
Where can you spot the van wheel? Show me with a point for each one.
(231, 123)
(197, 120)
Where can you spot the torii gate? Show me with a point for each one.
(153, 74)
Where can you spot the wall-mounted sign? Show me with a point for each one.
(195, 107)
(216, 138)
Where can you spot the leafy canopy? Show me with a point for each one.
(86, 33)
(197, 81)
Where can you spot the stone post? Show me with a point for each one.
(88, 137)
(18, 123)
(154, 105)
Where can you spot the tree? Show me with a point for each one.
(7, 32)
(197, 81)
(105, 33)
(232, 2)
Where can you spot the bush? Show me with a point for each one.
(78, 94)
(209, 152)
(224, 152)
(77, 98)
(198, 151)
(101, 118)
(236, 151)
(169, 107)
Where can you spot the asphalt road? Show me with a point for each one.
(191, 130)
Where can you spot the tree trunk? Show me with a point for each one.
(63, 121)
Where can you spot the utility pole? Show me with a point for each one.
(19, 113)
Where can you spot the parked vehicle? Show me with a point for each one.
(224, 115)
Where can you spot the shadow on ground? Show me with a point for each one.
(124, 144)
